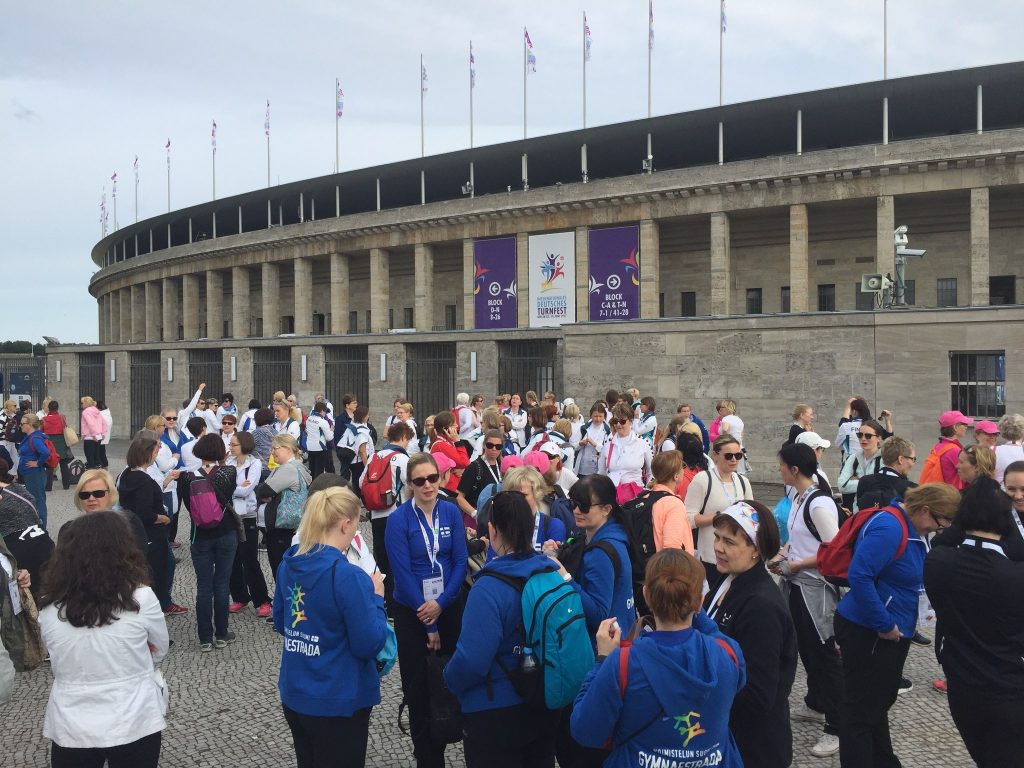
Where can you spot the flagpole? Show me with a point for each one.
(650, 29)
(337, 120)
(213, 155)
(721, 38)
(524, 83)
(584, 69)
(114, 195)
(267, 131)
(136, 189)
(423, 144)
(885, 39)
(470, 94)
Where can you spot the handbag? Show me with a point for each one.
(291, 505)
(70, 436)
(444, 713)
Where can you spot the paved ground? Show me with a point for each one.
(225, 709)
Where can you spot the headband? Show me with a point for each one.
(746, 517)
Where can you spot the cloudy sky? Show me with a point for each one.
(87, 86)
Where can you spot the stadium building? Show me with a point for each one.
(708, 254)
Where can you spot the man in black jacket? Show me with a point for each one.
(889, 482)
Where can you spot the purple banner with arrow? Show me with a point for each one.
(494, 283)
(615, 273)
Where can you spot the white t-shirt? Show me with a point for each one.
(291, 426)
(802, 543)
(735, 426)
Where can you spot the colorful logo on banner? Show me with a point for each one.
(552, 279)
(614, 273)
(494, 283)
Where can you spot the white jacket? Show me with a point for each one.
(630, 458)
(518, 425)
(318, 433)
(103, 691)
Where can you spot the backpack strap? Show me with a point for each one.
(624, 649)
(609, 549)
(707, 493)
(728, 649)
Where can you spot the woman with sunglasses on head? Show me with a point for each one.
(626, 459)
(861, 463)
(426, 544)
(975, 461)
(711, 491)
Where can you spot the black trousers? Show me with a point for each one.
(65, 475)
(379, 525)
(144, 753)
(278, 540)
(103, 456)
(510, 737)
(157, 554)
(92, 453)
(319, 461)
(247, 582)
(329, 742)
(871, 679)
(570, 753)
(990, 727)
(821, 662)
(412, 654)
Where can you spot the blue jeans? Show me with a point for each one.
(35, 481)
(212, 559)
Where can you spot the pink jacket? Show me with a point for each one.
(948, 462)
(93, 424)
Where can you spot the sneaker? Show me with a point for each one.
(175, 543)
(940, 686)
(906, 686)
(805, 714)
(205, 647)
(236, 607)
(222, 642)
(265, 611)
(920, 639)
(827, 745)
(174, 609)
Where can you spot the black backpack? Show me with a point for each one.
(638, 521)
(571, 555)
(12, 428)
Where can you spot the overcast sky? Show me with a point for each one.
(86, 86)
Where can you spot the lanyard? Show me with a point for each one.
(537, 545)
(719, 595)
(736, 493)
(491, 470)
(432, 551)
(1016, 519)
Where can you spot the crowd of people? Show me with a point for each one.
(554, 582)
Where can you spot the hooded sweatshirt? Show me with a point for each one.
(494, 610)
(603, 594)
(334, 625)
(675, 711)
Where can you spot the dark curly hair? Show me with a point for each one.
(94, 571)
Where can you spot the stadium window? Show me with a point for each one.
(863, 300)
(977, 383)
(785, 298)
(367, 327)
(754, 303)
(449, 317)
(688, 304)
(1002, 290)
(391, 318)
(353, 322)
(319, 324)
(945, 292)
(827, 297)
(910, 291)
(661, 305)
(288, 324)
(407, 318)
(227, 329)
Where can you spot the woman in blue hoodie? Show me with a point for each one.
(876, 619)
(680, 680)
(498, 729)
(332, 617)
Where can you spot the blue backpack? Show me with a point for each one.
(556, 653)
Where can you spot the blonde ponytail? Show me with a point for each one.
(323, 511)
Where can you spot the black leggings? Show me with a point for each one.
(510, 737)
(380, 554)
(278, 540)
(329, 742)
(247, 582)
(144, 753)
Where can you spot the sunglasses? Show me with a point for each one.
(493, 446)
(419, 482)
(732, 456)
(170, 418)
(584, 509)
(617, 422)
(83, 495)
(866, 435)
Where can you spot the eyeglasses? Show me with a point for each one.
(83, 495)
(493, 446)
(732, 456)
(866, 435)
(24, 423)
(234, 444)
(909, 458)
(942, 523)
(419, 482)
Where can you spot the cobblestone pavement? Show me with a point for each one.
(225, 709)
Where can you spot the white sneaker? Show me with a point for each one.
(827, 745)
(805, 714)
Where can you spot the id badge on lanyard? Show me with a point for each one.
(433, 586)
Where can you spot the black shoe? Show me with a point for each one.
(920, 639)
(906, 686)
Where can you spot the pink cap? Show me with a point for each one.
(951, 418)
(537, 459)
(508, 462)
(444, 463)
(988, 427)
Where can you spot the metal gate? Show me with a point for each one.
(92, 377)
(526, 365)
(206, 366)
(145, 387)
(430, 376)
(271, 371)
(24, 376)
(347, 372)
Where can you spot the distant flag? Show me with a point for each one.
(266, 121)
(339, 105)
(472, 67)
(167, 146)
(423, 78)
(135, 168)
(586, 38)
(650, 25)
(723, 16)
(531, 60)
(114, 179)
(103, 213)
(213, 136)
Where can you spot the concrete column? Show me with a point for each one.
(101, 327)
(650, 268)
(468, 280)
(170, 304)
(523, 279)
(339, 293)
(241, 314)
(582, 275)
(885, 223)
(303, 293)
(799, 265)
(380, 289)
(979, 247)
(214, 304)
(114, 300)
(152, 297)
(721, 265)
(138, 300)
(125, 295)
(271, 299)
(190, 306)
(424, 290)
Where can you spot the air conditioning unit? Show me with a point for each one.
(875, 283)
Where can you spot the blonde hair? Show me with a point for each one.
(278, 397)
(633, 393)
(88, 402)
(96, 474)
(323, 511)
(515, 477)
(490, 418)
(407, 407)
(294, 412)
(10, 404)
(982, 458)
(563, 427)
(154, 422)
(799, 409)
(571, 412)
(941, 498)
(729, 405)
(284, 440)
(31, 418)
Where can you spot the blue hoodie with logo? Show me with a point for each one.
(675, 711)
(603, 594)
(334, 626)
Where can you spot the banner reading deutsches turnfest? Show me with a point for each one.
(552, 279)
(494, 283)
(615, 273)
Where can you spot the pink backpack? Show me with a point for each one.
(204, 507)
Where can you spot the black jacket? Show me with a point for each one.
(1012, 543)
(143, 495)
(879, 489)
(754, 614)
(979, 638)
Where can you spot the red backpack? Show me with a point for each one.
(379, 483)
(834, 556)
(53, 460)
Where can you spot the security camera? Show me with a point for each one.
(467, 188)
(913, 252)
(899, 236)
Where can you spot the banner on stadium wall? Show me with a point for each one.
(615, 273)
(552, 279)
(494, 283)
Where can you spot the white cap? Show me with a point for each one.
(812, 439)
(746, 517)
(551, 449)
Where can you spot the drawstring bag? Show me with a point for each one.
(291, 505)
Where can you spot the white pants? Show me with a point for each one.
(12, 449)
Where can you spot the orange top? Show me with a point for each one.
(671, 524)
